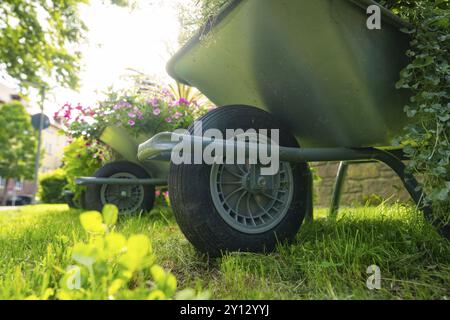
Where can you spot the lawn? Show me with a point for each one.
(327, 261)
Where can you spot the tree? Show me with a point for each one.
(38, 40)
(18, 143)
(34, 39)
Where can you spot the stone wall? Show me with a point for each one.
(372, 182)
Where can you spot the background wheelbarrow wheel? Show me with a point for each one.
(128, 198)
(73, 203)
(218, 211)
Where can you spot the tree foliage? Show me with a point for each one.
(17, 142)
(39, 40)
(36, 37)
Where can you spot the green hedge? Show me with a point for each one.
(52, 185)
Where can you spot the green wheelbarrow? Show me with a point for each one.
(126, 182)
(313, 70)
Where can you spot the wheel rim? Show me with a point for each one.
(249, 202)
(127, 198)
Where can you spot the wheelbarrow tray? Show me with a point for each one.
(313, 64)
(127, 147)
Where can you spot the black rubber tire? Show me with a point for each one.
(76, 204)
(194, 210)
(93, 198)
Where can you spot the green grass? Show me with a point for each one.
(328, 259)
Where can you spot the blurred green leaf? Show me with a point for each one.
(110, 214)
(92, 222)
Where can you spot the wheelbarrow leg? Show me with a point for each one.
(414, 189)
(409, 181)
(309, 216)
(337, 190)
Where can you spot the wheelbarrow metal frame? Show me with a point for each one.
(120, 181)
(162, 144)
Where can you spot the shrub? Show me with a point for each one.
(52, 185)
(82, 158)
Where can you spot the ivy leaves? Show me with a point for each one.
(426, 139)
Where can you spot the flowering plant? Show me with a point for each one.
(141, 115)
(157, 111)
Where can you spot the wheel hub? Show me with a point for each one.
(249, 201)
(253, 182)
(127, 198)
(123, 194)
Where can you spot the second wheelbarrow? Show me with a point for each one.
(127, 183)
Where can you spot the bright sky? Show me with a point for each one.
(121, 38)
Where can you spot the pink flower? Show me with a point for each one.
(177, 115)
(131, 115)
(67, 114)
(154, 102)
(131, 122)
(183, 101)
(156, 111)
(168, 120)
(174, 103)
(157, 193)
(139, 115)
(122, 104)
